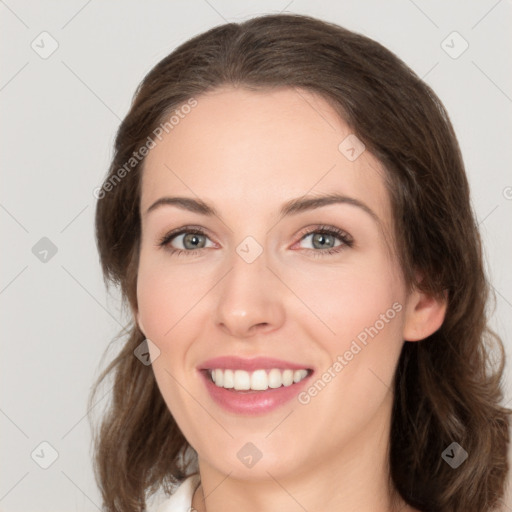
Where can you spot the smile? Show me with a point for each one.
(258, 380)
(253, 386)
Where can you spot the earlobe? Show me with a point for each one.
(424, 315)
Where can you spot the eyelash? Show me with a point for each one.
(324, 230)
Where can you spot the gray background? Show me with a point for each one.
(59, 116)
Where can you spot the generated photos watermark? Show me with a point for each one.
(342, 360)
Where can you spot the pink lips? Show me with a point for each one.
(251, 402)
(249, 365)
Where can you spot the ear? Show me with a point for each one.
(424, 315)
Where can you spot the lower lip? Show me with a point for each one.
(253, 402)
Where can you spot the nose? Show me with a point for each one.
(250, 299)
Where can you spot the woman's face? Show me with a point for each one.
(315, 286)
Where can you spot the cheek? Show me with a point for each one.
(155, 302)
(165, 294)
(342, 302)
(164, 298)
(357, 321)
(355, 386)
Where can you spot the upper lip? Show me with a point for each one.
(256, 363)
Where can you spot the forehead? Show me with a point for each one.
(257, 149)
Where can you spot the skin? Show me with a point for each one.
(247, 153)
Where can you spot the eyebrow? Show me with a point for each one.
(292, 207)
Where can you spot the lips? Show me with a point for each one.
(250, 365)
(249, 401)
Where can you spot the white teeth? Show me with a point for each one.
(229, 379)
(258, 380)
(242, 380)
(218, 376)
(275, 380)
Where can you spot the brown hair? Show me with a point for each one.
(447, 389)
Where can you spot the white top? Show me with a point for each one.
(181, 500)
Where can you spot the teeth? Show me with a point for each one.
(259, 380)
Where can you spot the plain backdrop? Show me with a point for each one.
(69, 70)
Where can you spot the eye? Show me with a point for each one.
(324, 237)
(192, 238)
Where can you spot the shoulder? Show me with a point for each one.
(179, 501)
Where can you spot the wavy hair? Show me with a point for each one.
(448, 387)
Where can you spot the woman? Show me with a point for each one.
(288, 217)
